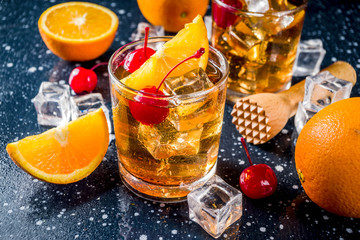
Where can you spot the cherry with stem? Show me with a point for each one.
(84, 80)
(136, 58)
(257, 181)
(150, 110)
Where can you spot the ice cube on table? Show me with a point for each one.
(215, 206)
(309, 56)
(154, 31)
(52, 104)
(302, 116)
(84, 104)
(164, 141)
(321, 90)
(193, 81)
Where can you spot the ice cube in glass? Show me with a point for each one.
(215, 206)
(193, 81)
(323, 89)
(52, 104)
(309, 56)
(195, 114)
(84, 104)
(164, 141)
(260, 6)
(154, 31)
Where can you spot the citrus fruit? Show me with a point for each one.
(78, 31)
(327, 155)
(64, 154)
(170, 14)
(184, 44)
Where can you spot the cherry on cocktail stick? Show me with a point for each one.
(84, 80)
(150, 109)
(136, 58)
(257, 181)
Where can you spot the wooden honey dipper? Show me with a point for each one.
(260, 117)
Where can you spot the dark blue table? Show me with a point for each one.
(100, 207)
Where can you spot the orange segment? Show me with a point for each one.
(184, 44)
(64, 154)
(78, 31)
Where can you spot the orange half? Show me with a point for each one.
(78, 31)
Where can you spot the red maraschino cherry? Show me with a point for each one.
(224, 15)
(148, 107)
(136, 58)
(257, 181)
(83, 80)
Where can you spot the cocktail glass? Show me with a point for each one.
(259, 38)
(165, 161)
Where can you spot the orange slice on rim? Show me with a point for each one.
(184, 44)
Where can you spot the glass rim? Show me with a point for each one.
(194, 95)
(259, 14)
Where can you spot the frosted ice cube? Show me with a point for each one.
(154, 31)
(309, 56)
(84, 104)
(324, 89)
(52, 104)
(320, 91)
(193, 81)
(215, 206)
(302, 116)
(164, 141)
(260, 6)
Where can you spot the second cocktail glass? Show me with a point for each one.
(165, 161)
(259, 39)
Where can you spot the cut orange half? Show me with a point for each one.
(78, 31)
(183, 45)
(64, 154)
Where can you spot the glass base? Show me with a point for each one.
(161, 193)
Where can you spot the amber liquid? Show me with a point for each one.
(178, 151)
(261, 50)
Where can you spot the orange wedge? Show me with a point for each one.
(184, 44)
(78, 31)
(64, 154)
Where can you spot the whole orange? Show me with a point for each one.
(172, 14)
(327, 158)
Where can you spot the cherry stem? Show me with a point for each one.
(146, 39)
(246, 150)
(197, 54)
(98, 65)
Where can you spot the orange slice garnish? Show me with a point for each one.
(184, 44)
